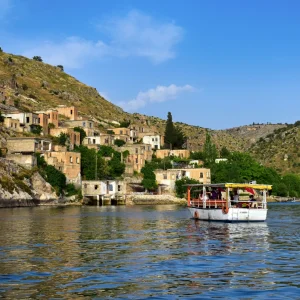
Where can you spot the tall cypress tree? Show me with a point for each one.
(169, 132)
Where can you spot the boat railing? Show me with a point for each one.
(208, 203)
(222, 203)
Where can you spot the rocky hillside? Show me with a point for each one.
(280, 149)
(34, 85)
(21, 187)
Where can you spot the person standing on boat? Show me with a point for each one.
(235, 198)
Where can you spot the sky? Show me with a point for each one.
(215, 64)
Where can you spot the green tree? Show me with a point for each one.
(37, 58)
(209, 151)
(51, 126)
(93, 166)
(60, 67)
(56, 178)
(169, 132)
(292, 182)
(1, 50)
(82, 133)
(174, 137)
(224, 153)
(197, 155)
(119, 143)
(180, 188)
(125, 124)
(36, 129)
(149, 179)
(62, 139)
(106, 151)
(116, 167)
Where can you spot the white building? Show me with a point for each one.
(153, 140)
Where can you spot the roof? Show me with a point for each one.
(235, 185)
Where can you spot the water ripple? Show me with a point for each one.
(147, 252)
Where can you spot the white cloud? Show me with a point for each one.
(72, 53)
(5, 7)
(136, 34)
(156, 95)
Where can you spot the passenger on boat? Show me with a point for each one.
(251, 198)
(235, 198)
(214, 195)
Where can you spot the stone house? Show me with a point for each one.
(182, 153)
(71, 112)
(28, 145)
(21, 150)
(121, 131)
(101, 139)
(138, 155)
(74, 136)
(166, 178)
(68, 163)
(153, 140)
(86, 125)
(12, 124)
(43, 121)
(27, 120)
(52, 116)
(95, 188)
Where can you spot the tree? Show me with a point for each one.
(51, 126)
(119, 143)
(36, 129)
(93, 166)
(82, 133)
(125, 124)
(149, 180)
(180, 188)
(224, 153)
(116, 167)
(169, 132)
(209, 151)
(56, 178)
(61, 67)
(197, 155)
(24, 87)
(174, 137)
(62, 139)
(106, 151)
(37, 58)
(1, 50)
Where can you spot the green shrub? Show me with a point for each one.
(119, 143)
(37, 58)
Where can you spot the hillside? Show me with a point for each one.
(31, 85)
(280, 149)
(34, 85)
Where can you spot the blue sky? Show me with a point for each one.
(216, 64)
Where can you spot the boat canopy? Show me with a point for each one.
(234, 185)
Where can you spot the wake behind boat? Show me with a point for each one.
(222, 202)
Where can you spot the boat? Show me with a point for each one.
(204, 205)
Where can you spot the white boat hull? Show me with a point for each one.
(234, 214)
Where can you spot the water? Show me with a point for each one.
(141, 252)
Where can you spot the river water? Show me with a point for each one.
(141, 252)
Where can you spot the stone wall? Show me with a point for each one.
(155, 200)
